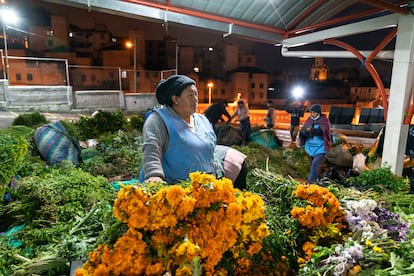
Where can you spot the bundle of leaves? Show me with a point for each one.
(380, 180)
(13, 149)
(32, 120)
(136, 122)
(64, 212)
(284, 161)
(115, 154)
(103, 122)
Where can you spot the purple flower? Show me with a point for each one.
(392, 222)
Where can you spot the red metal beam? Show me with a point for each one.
(410, 114)
(386, 6)
(209, 16)
(305, 13)
(371, 69)
(382, 44)
(335, 21)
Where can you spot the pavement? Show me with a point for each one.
(7, 117)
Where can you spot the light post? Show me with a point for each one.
(135, 64)
(176, 54)
(209, 85)
(130, 45)
(7, 16)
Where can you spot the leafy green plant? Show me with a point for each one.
(380, 180)
(32, 120)
(65, 212)
(102, 122)
(116, 154)
(136, 122)
(13, 149)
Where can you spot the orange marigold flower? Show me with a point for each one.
(184, 271)
(307, 248)
(154, 269)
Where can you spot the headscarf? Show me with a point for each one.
(174, 85)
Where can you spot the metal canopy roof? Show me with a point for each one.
(269, 21)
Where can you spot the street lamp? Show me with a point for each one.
(209, 85)
(135, 64)
(176, 54)
(129, 45)
(7, 16)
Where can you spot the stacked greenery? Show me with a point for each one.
(61, 213)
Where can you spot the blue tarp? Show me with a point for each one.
(266, 138)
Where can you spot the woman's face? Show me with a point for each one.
(314, 114)
(186, 104)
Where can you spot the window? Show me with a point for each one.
(223, 92)
(111, 75)
(93, 78)
(83, 77)
(252, 85)
(261, 85)
(29, 76)
(18, 76)
(261, 95)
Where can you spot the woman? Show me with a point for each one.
(243, 114)
(176, 139)
(315, 136)
(270, 116)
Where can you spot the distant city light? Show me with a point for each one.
(196, 69)
(298, 92)
(211, 49)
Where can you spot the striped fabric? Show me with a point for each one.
(55, 145)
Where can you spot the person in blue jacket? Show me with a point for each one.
(315, 136)
(176, 139)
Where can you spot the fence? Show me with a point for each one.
(27, 71)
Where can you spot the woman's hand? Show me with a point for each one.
(154, 179)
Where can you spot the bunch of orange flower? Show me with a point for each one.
(322, 206)
(184, 230)
(320, 214)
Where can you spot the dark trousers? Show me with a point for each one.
(315, 167)
(240, 181)
(245, 129)
(294, 132)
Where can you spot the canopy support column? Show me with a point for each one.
(400, 97)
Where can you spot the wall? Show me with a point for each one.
(39, 98)
(63, 99)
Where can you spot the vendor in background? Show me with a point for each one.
(270, 115)
(315, 136)
(243, 116)
(296, 111)
(176, 139)
(215, 112)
